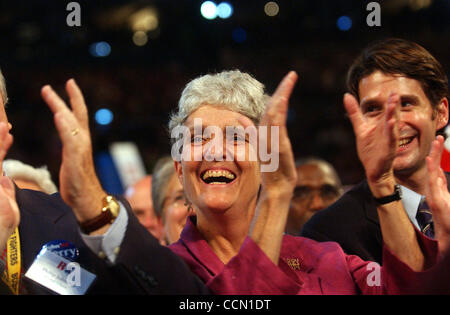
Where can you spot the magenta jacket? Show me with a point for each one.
(305, 267)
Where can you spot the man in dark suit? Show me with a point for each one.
(134, 264)
(411, 72)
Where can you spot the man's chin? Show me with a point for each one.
(406, 168)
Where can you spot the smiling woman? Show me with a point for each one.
(235, 243)
(220, 189)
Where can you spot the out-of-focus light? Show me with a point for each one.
(140, 38)
(344, 23)
(104, 116)
(145, 20)
(271, 8)
(224, 10)
(208, 10)
(100, 49)
(239, 35)
(419, 4)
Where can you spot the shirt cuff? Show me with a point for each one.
(108, 244)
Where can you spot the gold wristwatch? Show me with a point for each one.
(109, 213)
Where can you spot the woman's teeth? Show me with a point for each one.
(218, 177)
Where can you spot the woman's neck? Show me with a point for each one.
(226, 231)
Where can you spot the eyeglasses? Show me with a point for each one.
(326, 192)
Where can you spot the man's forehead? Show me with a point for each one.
(380, 85)
(315, 174)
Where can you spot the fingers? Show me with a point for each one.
(392, 117)
(66, 121)
(64, 128)
(275, 115)
(54, 102)
(57, 104)
(354, 112)
(437, 182)
(434, 159)
(276, 110)
(77, 102)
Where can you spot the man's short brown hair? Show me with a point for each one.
(400, 57)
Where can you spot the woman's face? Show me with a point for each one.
(175, 210)
(213, 185)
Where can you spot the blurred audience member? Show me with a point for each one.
(140, 198)
(318, 186)
(27, 177)
(169, 198)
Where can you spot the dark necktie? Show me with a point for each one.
(425, 219)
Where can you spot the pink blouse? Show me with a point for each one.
(305, 267)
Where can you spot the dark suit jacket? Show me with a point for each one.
(143, 266)
(352, 221)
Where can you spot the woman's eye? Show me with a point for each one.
(179, 197)
(197, 140)
(237, 138)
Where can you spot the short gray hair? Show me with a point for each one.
(3, 93)
(162, 173)
(235, 90)
(17, 170)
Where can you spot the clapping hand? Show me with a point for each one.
(376, 142)
(79, 185)
(277, 185)
(438, 196)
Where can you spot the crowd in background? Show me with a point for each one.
(142, 85)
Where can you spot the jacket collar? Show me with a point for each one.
(50, 206)
(199, 248)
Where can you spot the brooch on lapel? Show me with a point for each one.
(293, 263)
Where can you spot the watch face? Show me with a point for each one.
(114, 207)
(397, 188)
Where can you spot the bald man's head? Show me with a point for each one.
(140, 198)
(318, 186)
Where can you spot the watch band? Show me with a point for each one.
(109, 213)
(397, 195)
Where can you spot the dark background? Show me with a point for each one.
(141, 85)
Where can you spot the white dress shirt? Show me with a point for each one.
(411, 201)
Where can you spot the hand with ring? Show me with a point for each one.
(75, 131)
(79, 185)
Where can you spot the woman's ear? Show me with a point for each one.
(179, 171)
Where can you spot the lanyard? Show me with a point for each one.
(11, 275)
